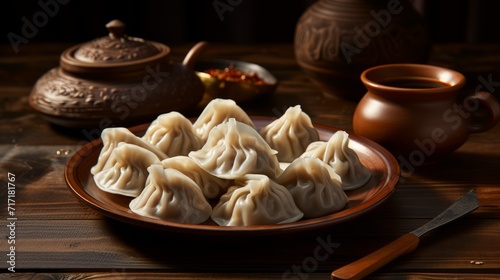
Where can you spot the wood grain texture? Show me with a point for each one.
(108, 244)
(60, 238)
(127, 274)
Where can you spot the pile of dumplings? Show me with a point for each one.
(222, 168)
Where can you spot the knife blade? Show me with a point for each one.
(405, 243)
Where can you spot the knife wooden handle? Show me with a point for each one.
(366, 265)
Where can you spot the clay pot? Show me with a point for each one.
(413, 111)
(116, 80)
(335, 40)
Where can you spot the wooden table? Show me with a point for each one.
(57, 237)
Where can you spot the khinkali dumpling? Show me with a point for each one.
(219, 111)
(125, 171)
(112, 136)
(234, 149)
(344, 160)
(173, 134)
(171, 196)
(290, 134)
(210, 185)
(256, 200)
(315, 187)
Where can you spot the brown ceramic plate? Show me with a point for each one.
(384, 167)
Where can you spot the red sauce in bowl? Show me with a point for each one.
(231, 74)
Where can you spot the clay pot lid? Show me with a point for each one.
(113, 54)
(117, 47)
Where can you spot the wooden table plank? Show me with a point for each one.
(126, 274)
(108, 244)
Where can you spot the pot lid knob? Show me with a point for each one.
(117, 47)
(116, 28)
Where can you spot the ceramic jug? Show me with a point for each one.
(413, 110)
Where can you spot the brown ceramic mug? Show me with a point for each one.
(413, 111)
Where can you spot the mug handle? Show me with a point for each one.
(487, 101)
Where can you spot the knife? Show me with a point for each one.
(406, 243)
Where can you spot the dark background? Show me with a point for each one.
(251, 21)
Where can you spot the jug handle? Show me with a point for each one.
(487, 101)
(193, 54)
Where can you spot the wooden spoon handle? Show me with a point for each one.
(366, 265)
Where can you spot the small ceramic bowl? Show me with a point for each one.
(239, 91)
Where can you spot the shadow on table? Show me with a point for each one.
(461, 167)
(177, 251)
